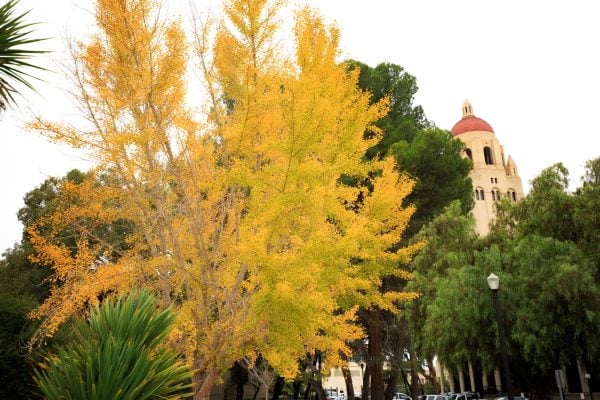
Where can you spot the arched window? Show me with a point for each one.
(481, 194)
(512, 195)
(476, 194)
(487, 155)
(496, 194)
(469, 154)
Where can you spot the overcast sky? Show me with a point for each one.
(529, 68)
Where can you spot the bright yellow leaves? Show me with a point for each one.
(263, 227)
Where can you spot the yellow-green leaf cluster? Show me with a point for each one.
(244, 223)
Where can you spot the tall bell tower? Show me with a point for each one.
(494, 176)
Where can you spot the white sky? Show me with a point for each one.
(530, 68)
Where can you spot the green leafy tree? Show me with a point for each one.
(24, 284)
(452, 245)
(23, 287)
(546, 242)
(548, 210)
(14, 58)
(118, 354)
(587, 213)
(555, 306)
(15, 365)
(434, 160)
(430, 155)
(459, 325)
(551, 311)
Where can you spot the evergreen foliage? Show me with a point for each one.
(118, 353)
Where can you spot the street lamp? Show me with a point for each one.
(494, 284)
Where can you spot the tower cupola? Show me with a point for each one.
(469, 122)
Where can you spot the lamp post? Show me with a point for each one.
(494, 284)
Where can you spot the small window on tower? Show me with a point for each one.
(487, 155)
(469, 154)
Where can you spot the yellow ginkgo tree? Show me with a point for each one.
(257, 220)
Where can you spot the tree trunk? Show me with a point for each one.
(239, 377)
(319, 391)
(297, 385)
(239, 393)
(407, 383)
(472, 376)
(376, 340)
(433, 376)
(366, 388)
(451, 380)
(461, 380)
(414, 376)
(307, 391)
(203, 384)
(498, 380)
(349, 383)
(278, 387)
(390, 389)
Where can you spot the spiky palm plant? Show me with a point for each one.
(14, 59)
(118, 353)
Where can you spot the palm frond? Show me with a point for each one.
(118, 353)
(14, 59)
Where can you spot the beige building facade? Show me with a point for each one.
(494, 175)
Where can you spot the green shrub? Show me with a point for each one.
(117, 354)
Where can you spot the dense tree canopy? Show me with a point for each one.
(241, 222)
(434, 160)
(549, 288)
(428, 154)
(25, 283)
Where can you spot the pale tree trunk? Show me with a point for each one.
(471, 375)
(461, 380)
(484, 380)
(451, 381)
(442, 380)
(498, 380)
(366, 387)
(433, 376)
(563, 367)
(203, 384)
(581, 369)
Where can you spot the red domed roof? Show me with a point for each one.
(470, 123)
